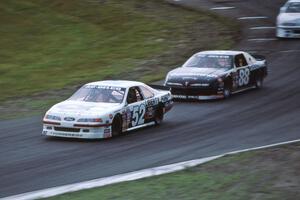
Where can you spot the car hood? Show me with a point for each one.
(285, 17)
(193, 71)
(82, 109)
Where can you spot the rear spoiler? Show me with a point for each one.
(159, 87)
(259, 57)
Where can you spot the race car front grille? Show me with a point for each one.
(66, 129)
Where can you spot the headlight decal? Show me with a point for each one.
(53, 117)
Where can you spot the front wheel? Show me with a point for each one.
(159, 116)
(259, 83)
(116, 127)
(226, 93)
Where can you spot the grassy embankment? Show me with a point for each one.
(50, 47)
(269, 174)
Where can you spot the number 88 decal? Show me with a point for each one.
(244, 76)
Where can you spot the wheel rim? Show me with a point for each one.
(259, 83)
(226, 93)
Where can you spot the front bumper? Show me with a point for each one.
(288, 32)
(70, 131)
(199, 97)
(194, 93)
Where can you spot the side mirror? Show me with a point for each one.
(282, 9)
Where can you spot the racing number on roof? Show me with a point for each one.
(138, 115)
(244, 76)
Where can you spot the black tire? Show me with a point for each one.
(116, 127)
(259, 82)
(159, 115)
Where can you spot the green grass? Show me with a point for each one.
(265, 174)
(52, 45)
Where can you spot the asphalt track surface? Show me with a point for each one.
(191, 130)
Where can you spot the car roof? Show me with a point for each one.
(116, 83)
(218, 52)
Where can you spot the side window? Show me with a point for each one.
(240, 61)
(134, 95)
(146, 92)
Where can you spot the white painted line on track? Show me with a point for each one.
(129, 176)
(261, 39)
(262, 27)
(222, 8)
(254, 17)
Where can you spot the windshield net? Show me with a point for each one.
(209, 61)
(95, 93)
(293, 8)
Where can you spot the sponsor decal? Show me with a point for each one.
(107, 133)
(149, 113)
(152, 102)
(105, 87)
(65, 134)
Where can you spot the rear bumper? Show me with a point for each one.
(288, 31)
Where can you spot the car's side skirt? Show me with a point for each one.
(244, 89)
(141, 126)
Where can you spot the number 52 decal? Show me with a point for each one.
(138, 115)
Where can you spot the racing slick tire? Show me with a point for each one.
(159, 115)
(116, 127)
(259, 82)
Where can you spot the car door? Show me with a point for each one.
(136, 108)
(243, 72)
(151, 103)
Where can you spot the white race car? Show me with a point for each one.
(288, 21)
(105, 109)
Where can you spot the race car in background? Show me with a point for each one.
(216, 74)
(105, 109)
(288, 20)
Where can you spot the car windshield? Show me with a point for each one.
(293, 8)
(209, 61)
(95, 93)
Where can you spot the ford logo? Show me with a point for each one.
(69, 119)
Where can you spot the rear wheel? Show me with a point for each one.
(159, 115)
(116, 126)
